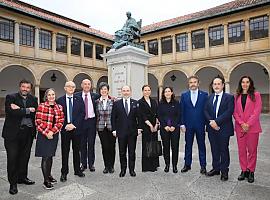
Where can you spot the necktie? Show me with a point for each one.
(70, 107)
(215, 106)
(126, 106)
(86, 106)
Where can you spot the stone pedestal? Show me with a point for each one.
(127, 66)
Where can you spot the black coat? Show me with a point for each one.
(122, 123)
(147, 113)
(14, 117)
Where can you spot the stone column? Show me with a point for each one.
(227, 86)
(269, 29)
(226, 39)
(207, 51)
(36, 42)
(247, 34)
(37, 92)
(190, 45)
(174, 47)
(159, 50)
(69, 49)
(53, 45)
(17, 38)
(160, 87)
(146, 46)
(82, 51)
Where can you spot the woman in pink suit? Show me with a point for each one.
(248, 106)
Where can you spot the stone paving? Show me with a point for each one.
(145, 186)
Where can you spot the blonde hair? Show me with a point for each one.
(46, 93)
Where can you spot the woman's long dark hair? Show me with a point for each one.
(163, 98)
(251, 88)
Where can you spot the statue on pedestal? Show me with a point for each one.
(129, 34)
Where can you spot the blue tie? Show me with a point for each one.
(126, 106)
(70, 109)
(215, 105)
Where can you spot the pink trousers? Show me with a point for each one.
(247, 150)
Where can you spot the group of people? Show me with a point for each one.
(78, 117)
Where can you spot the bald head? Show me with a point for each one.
(126, 91)
(86, 85)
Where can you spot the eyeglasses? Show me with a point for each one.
(70, 86)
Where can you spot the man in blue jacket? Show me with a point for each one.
(218, 112)
(193, 122)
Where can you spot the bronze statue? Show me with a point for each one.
(128, 35)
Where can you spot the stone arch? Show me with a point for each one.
(78, 78)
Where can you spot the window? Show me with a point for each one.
(198, 39)
(75, 46)
(216, 35)
(258, 27)
(45, 39)
(108, 49)
(88, 49)
(6, 30)
(99, 50)
(153, 47)
(166, 44)
(61, 43)
(236, 31)
(27, 35)
(182, 42)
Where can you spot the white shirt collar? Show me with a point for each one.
(195, 91)
(220, 94)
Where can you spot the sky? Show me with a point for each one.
(109, 15)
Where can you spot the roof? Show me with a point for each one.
(227, 8)
(40, 13)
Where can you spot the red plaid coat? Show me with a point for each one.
(45, 115)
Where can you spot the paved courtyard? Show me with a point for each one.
(158, 185)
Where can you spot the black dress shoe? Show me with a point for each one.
(13, 189)
(52, 180)
(167, 168)
(111, 170)
(251, 177)
(122, 174)
(82, 168)
(63, 178)
(185, 169)
(203, 170)
(242, 176)
(26, 181)
(213, 173)
(92, 169)
(175, 170)
(132, 173)
(105, 171)
(80, 174)
(48, 185)
(224, 177)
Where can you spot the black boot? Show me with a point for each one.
(251, 177)
(242, 176)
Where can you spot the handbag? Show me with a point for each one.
(153, 149)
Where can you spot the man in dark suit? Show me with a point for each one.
(193, 122)
(73, 108)
(88, 132)
(218, 112)
(18, 132)
(125, 128)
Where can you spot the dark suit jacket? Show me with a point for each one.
(122, 123)
(193, 116)
(146, 112)
(78, 112)
(169, 113)
(94, 97)
(224, 117)
(14, 117)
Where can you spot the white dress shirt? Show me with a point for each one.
(91, 112)
(194, 96)
(219, 100)
(104, 102)
(128, 102)
(67, 104)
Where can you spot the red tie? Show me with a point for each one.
(86, 106)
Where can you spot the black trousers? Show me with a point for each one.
(127, 142)
(18, 155)
(66, 138)
(108, 147)
(170, 139)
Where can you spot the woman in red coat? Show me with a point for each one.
(49, 121)
(248, 106)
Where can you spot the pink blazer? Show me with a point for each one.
(251, 115)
